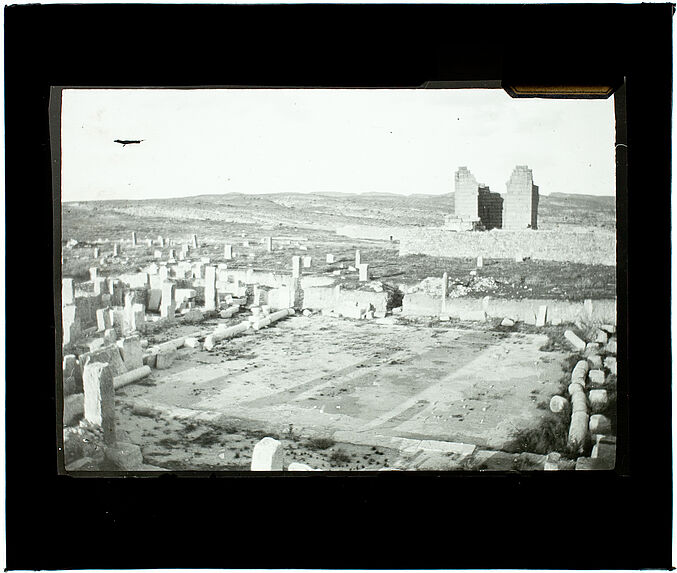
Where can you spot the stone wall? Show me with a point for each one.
(589, 247)
(369, 232)
(466, 188)
(525, 310)
(521, 200)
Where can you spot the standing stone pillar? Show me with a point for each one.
(194, 241)
(100, 286)
(227, 252)
(100, 399)
(306, 262)
(93, 273)
(480, 262)
(67, 292)
(149, 242)
(102, 320)
(138, 322)
(96, 252)
(445, 286)
(116, 249)
(295, 266)
(172, 254)
(364, 272)
(358, 259)
(134, 238)
(330, 258)
(210, 288)
(161, 241)
(163, 272)
(269, 244)
(70, 324)
(168, 301)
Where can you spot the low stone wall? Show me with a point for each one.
(344, 301)
(589, 247)
(370, 232)
(525, 310)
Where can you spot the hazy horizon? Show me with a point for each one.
(305, 141)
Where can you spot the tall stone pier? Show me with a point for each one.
(520, 210)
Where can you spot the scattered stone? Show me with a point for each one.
(610, 363)
(194, 315)
(124, 456)
(599, 424)
(307, 312)
(165, 359)
(611, 346)
(298, 467)
(268, 455)
(558, 404)
(601, 337)
(609, 328)
(574, 340)
(507, 322)
(596, 378)
(595, 361)
(397, 310)
(552, 461)
(191, 342)
(598, 400)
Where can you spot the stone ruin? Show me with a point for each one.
(521, 200)
(477, 208)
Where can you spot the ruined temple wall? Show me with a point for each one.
(521, 201)
(589, 247)
(467, 191)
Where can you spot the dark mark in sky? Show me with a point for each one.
(128, 141)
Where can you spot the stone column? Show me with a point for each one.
(67, 292)
(134, 238)
(358, 259)
(149, 242)
(194, 241)
(96, 252)
(172, 254)
(364, 272)
(330, 258)
(138, 322)
(306, 262)
(295, 266)
(163, 272)
(161, 241)
(100, 399)
(210, 288)
(102, 319)
(480, 262)
(269, 244)
(116, 249)
(445, 286)
(228, 252)
(93, 273)
(100, 286)
(168, 302)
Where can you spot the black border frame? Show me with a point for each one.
(448, 521)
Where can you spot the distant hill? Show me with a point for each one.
(327, 210)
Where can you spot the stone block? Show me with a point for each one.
(298, 467)
(574, 340)
(507, 322)
(67, 292)
(552, 461)
(72, 375)
(598, 400)
(124, 456)
(103, 320)
(599, 424)
(542, 315)
(109, 354)
(601, 337)
(611, 346)
(480, 262)
(609, 329)
(330, 258)
(595, 361)
(559, 404)
(131, 352)
(193, 316)
(99, 400)
(165, 359)
(154, 298)
(268, 455)
(596, 378)
(610, 363)
(191, 342)
(150, 359)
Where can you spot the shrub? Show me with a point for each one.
(320, 443)
(339, 457)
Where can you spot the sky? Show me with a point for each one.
(211, 141)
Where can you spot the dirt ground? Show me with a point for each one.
(317, 380)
